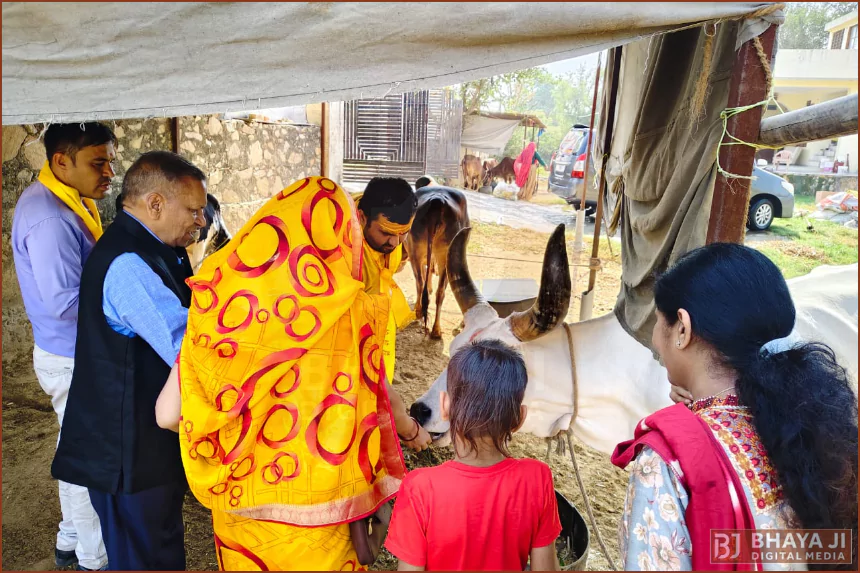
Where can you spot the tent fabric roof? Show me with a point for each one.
(113, 60)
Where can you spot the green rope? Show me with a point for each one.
(731, 112)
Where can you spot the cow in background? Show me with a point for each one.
(505, 170)
(211, 237)
(485, 170)
(472, 174)
(441, 214)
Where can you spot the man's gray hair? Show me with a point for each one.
(157, 171)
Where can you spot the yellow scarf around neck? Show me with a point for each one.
(73, 200)
(378, 278)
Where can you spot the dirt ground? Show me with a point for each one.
(30, 504)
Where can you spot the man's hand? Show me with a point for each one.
(678, 394)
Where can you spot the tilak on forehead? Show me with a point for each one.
(400, 212)
(393, 228)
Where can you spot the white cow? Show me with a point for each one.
(618, 382)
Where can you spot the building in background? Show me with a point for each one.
(808, 77)
(406, 135)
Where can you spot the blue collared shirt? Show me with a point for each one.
(137, 303)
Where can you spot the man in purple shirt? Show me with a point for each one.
(56, 225)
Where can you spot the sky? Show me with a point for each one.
(565, 66)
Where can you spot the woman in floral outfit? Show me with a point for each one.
(765, 434)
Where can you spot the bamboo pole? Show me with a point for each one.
(826, 120)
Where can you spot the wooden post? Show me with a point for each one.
(730, 203)
(590, 131)
(587, 302)
(174, 127)
(580, 214)
(827, 120)
(324, 151)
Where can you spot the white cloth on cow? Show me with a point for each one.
(80, 530)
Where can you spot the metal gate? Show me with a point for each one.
(444, 128)
(391, 136)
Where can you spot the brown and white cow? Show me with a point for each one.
(211, 237)
(617, 380)
(441, 214)
(485, 169)
(472, 175)
(504, 170)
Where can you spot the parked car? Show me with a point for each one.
(567, 170)
(771, 197)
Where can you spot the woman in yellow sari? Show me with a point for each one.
(288, 425)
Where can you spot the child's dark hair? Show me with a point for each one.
(803, 407)
(486, 383)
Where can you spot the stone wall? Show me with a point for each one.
(806, 184)
(248, 163)
(23, 157)
(245, 163)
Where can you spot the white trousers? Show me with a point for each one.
(80, 530)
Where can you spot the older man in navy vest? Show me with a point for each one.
(133, 311)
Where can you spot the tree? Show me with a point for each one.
(804, 23)
(507, 92)
(559, 102)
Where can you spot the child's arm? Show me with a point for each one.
(542, 555)
(168, 407)
(406, 539)
(541, 559)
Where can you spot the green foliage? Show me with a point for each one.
(805, 21)
(507, 92)
(559, 102)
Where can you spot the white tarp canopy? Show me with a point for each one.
(114, 60)
(487, 134)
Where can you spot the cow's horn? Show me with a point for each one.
(553, 300)
(464, 289)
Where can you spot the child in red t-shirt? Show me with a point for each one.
(484, 510)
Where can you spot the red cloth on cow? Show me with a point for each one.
(456, 517)
(717, 501)
(524, 163)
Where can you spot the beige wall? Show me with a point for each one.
(847, 147)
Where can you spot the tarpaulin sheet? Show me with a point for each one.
(113, 60)
(662, 163)
(487, 134)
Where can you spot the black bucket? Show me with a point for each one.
(574, 535)
(508, 296)
(505, 309)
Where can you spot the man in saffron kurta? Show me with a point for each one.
(55, 227)
(386, 210)
(287, 430)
